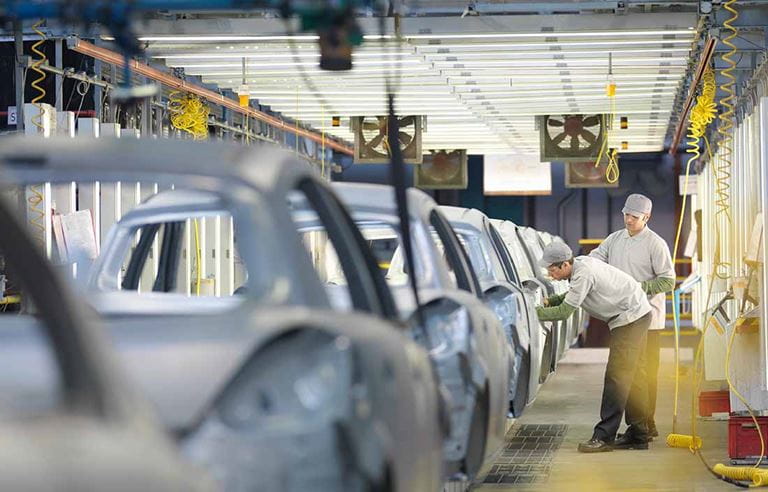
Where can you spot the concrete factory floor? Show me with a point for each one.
(572, 398)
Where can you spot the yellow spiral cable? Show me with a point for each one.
(720, 269)
(759, 478)
(36, 200)
(684, 441)
(691, 442)
(612, 170)
(725, 129)
(612, 155)
(189, 114)
(701, 116)
(41, 59)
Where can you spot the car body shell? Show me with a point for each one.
(535, 248)
(197, 358)
(505, 295)
(69, 417)
(537, 287)
(481, 361)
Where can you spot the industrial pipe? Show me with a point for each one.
(118, 59)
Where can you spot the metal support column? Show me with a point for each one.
(112, 116)
(159, 119)
(59, 95)
(98, 92)
(228, 118)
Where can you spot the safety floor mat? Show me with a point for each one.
(527, 454)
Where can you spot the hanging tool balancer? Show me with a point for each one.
(334, 22)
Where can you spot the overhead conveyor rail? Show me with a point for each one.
(109, 56)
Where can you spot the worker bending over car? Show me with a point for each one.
(644, 255)
(609, 294)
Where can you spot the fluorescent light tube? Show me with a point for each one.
(548, 34)
(549, 44)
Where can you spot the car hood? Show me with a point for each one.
(181, 363)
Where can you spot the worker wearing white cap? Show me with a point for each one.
(611, 295)
(644, 255)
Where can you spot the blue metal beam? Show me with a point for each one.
(98, 10)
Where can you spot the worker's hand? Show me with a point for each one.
(546, 302)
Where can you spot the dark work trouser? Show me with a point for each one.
(652, 371)
(625, 387)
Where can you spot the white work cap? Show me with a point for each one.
(555, 252)
(637, 205)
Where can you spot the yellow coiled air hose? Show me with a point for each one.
(701, 116)
(189, 114)
(725, 129)
(36, 200)
(759, 478)
(612, 172)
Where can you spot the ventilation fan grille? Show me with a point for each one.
(371, 142)
(587, 175)
(571, 137)
(442, 170)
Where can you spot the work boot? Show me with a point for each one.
(627, 441)
(595, 445)
(652, 430)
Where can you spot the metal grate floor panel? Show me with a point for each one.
(527, 455)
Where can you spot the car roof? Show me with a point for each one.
(178, 198)
(380, 197)
(30, 159)
(469, 216)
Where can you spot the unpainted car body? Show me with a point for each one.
(70, 420)
(504, 294)
(535, 248)
(465, 339)
(537, 287)
(270, 390)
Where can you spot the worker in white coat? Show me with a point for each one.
(644, 255)
(611, 295)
